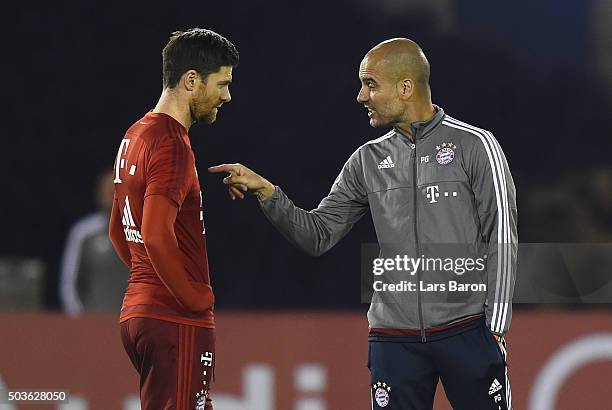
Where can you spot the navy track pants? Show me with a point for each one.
(470, 363)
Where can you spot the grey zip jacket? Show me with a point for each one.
(451, 186)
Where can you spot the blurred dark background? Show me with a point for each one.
(79, 74)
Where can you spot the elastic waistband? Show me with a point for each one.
(431, 334)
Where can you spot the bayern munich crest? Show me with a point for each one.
(201, 399)
(381, 393)
(446, 153)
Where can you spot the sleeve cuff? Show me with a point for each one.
(271, 198)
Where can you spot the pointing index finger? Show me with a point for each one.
(222, 168)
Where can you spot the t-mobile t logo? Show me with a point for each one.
(432, 193)
(206, 358)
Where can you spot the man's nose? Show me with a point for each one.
(226, 96)
(362, 96)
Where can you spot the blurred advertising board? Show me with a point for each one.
(297, 361)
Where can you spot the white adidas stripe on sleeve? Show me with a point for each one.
(504, 237)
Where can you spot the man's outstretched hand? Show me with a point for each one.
(241, 180)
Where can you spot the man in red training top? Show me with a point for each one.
(157, 227)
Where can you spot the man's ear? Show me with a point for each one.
(405, 88)
(189, 80)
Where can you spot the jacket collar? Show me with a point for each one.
(422, 129)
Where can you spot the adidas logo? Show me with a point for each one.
(131, 235)
(386, 163)
(495, 387)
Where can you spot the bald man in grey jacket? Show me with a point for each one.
(440, 194)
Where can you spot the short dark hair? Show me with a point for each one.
(196, 49)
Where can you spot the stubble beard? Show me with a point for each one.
(209, 116)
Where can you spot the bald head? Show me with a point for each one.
(394, 79)
(401, 58)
